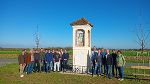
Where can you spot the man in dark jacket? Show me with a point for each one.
(109, 61)
(48, 60)
(37, 61)
(21, 63)
(65, 58)
(114, 64)
(103, 54)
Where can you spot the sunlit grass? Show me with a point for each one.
(9, 75)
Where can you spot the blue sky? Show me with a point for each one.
(114, 22)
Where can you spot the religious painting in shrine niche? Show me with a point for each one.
(80, 37)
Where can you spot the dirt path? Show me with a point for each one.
(3, 62)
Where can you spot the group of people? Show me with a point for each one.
(43, 60)
(46, 60)
(110, 65)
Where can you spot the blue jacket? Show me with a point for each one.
(94, 55)
(48, 57)
(65, 56)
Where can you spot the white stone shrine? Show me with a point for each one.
(81, 45)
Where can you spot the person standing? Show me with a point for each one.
(93, 59)
(28, 63)
(37, 61)
(24, 57)
(48, 60)
(103, 54)
(42, 61)
(114, 65)
(57, 59)
(65, 58)
(32, 60)
(21, 63)
(109, 61)
(61, 61)
(99, 63)
(120, 65)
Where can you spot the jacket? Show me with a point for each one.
(109, 59)
(120, 60)
(99, 58)
(48, 57)
(21, 59)
(28, 58)
(42, 56)
(65, 56)
(36, 57)
(114, 56)
(57, 57)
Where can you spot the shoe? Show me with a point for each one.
(121, 79)
(22, 76)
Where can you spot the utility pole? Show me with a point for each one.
(37, 38)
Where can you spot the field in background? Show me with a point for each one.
(130, 55)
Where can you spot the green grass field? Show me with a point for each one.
(9, 75)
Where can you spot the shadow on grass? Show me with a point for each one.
(138, 78)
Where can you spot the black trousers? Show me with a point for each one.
(37, 66)
(93, 67)
(64, 65)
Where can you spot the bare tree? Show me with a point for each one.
(142, 37)
(142, 34)
(37, 38)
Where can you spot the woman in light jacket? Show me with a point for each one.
(120, 65)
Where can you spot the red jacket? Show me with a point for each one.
(28, 58)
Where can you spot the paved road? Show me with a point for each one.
(136, 64)
(7, 61)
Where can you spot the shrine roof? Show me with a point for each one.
(81, 21)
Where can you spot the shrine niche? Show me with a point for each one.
(81, 44)
(80, 37)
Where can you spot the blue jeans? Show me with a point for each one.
(49, 66)
(29, 68)
(99, 68)
(109, 71)
(93, 68)
(121, 71)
